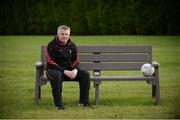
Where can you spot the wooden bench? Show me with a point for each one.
(107, 58)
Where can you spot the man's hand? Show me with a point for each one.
(74, 72)
(71, 74)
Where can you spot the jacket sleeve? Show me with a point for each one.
(50, 57)
(75, 58)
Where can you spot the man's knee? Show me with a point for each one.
(84, 74)
(54, 74)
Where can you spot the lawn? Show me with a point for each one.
(117, 99)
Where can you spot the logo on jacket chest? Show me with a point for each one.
(68, 51)
(60, 50)
(64, 53)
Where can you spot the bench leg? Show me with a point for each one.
(153, 91)
(96, 86)
(97, 94)
(37, 86)
(156, 87)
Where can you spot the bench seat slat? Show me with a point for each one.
(111, 66)
(125, 78)
(115, 57)
(116, 78)
(114, 49)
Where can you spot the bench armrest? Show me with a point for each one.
(155, 64)
(38, 64)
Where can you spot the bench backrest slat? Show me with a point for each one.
(111, 57)
(114, 57)
(111, 66)
(114, 49)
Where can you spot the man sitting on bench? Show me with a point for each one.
(63, 65)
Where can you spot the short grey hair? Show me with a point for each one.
(63, 27)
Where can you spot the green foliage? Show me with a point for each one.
(90, 17)
(118, 100)
(79, 22)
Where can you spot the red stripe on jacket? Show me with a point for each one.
(49, 60)
(75, 62)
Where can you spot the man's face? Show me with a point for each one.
(63, 35)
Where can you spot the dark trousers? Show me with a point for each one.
(57, 78)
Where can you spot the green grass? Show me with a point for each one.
(117, 99)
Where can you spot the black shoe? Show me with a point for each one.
(61, 107)
(85, 104)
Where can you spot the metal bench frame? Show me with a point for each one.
(99, 58)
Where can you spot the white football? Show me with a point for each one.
(147, 69)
